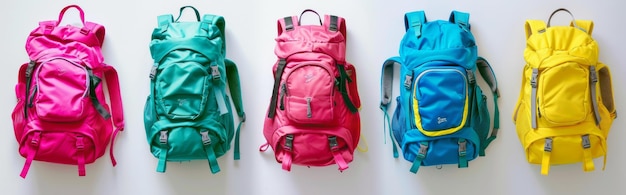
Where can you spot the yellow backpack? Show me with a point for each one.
(565, 107)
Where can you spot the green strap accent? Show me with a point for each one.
(462, 153)
(162, 161)
(232, 76)
(420, 156)
(415, 20)
(343, 79)
(486, 71)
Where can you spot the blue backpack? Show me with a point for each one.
(441, 115)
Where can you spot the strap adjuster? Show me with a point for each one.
(80, 145)
(332, 141)
(206, 140)
(462, 147)
(163, 137)
(586, 142)
(422, 151)
(548, 145)
(288, 142)
(215, 72)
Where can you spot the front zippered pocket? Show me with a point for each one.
(440, 100)
(60, 91)
(563, 94)
(182, 90)
(309, 95)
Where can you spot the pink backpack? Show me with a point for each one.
(61, 114)
(313, 117)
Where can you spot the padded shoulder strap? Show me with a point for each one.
(585, 25)
(221, 25)
(461, 18)
(534, 26)
(165, 20)
(415, 20)
(386, 80)
(486, 72)
(232, 74)
(286, 24)
(336, 24)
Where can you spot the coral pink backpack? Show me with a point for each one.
(313, 117)
(61, 114)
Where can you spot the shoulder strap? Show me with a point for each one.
(386, 84)
(287, 24)
(209, 19)
(415, 20)
(534, 26)
(336, 24)
(486, 72)
(460, 18)
(232, 74)
(113, 86)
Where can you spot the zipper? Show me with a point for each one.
(424, 73)
(32, 97)
(29, 75)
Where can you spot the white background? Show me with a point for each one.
(374, 31)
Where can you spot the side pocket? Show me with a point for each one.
(480, 117)
(398, 122)
(149, 114)
(606, 88)
(353, 91)
(19, 115)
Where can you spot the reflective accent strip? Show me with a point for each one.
(533, 98)
(594, 101)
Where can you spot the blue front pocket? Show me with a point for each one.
(440, 100)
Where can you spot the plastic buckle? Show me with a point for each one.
(80, 145)
(35, 140)
(586, 143)
(470, 76)
(548, 145)
(206, 140)
(407, 81)
(332, 141)
(215, 72)
(462, 147)
(163, 137)
(153, 71)
(84, 31)
(422, 151)
(288, 142)
(533, 79)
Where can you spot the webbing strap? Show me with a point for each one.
(486, 72)
(545, 158)
(462, 153)
(587, 157)
(419, 157)
(460, 18)
(94, 81)
(287, 150)
(163, 139)
(117, 113)
(80, 155)
(278, 74)
(334, 149)
(388, 125)
(593, 80)
(415, 20)
(533, 98)
(333, 23)
(31, 154)
(288, 23)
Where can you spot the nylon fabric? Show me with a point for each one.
(61, 115)
(315, 100)
(567, 106)
(188, 98)
(440, 103)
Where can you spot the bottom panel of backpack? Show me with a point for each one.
(317, 146)
(456, 148)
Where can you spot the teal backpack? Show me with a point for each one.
(441, 116)
(188, 115)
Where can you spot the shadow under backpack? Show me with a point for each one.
(441, 115)
(188, 115)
